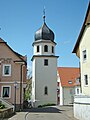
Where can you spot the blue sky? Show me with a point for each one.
(19, 20)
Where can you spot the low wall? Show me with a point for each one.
(5, 113)
(82, 107)
(8, 111)
(6, 103)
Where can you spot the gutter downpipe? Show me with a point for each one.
(21, 87)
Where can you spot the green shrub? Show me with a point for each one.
(2, 106)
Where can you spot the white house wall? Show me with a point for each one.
(82, 107)
(68, 95)
(85, 65)
(61, 95)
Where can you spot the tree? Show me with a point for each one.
(28, 89)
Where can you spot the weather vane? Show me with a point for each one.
(44, 14)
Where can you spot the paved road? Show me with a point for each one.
(48, 113)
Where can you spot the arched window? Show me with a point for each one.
(38, 48)
(45, 48)
(46, 90)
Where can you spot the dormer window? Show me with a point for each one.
(45, 48)
(84, 55)
(70, 82)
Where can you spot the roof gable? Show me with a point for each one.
(1, 40)
(68, 76)
(86, 22)
(22, 58)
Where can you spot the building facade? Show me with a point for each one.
(67, 85)
(82, 50)
(44, 67)
(13, 70)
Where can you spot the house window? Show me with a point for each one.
(6, 91)
(6, 70)
(46, 90)
(45, 48)
(86, 79)
(77, 91)
(84, 55)
(38, 48)
(70, 82)
(58, 83)
(52, 49)
(46, 62)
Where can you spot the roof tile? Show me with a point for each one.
(68, 76)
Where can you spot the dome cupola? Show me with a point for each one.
(44, 32)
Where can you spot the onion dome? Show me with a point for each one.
(44, 33)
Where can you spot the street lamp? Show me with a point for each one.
(15, 86)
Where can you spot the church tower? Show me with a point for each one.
(44, 67)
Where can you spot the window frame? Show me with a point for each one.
(78, 91)
(45, 48)
(5, 65)
(86, 80)
(38, 48)
(84, 52)
(45, 90)
(45, 62)
(9, 91)
(70, 82)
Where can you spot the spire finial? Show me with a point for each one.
(44, 14)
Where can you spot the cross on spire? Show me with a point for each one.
(44, 14)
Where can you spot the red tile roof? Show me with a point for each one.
(68, 74)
